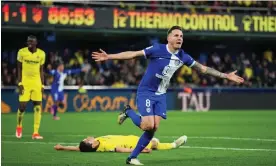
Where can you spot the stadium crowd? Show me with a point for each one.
(229, 6)
(265, 7)
(259, 70)
(257, 67)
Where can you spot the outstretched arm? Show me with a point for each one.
(129, 150)
(72, 71)
(210, 71)
(66, 148)
(103, 56)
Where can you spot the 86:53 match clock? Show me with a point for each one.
(38, 15)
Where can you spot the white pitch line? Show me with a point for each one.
(236, 138)
(38, 142)
(223, 148)
(183, 147)
(195, 137)
(66, 135)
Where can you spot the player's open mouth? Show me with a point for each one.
(178, 42)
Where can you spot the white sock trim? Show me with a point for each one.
(174, 145)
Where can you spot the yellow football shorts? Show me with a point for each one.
(31, 93)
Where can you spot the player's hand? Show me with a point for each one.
(58, 147)
(21, 89)
(100, 56)
(233, 77)
(146, 150)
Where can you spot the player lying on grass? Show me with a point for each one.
(120, 143)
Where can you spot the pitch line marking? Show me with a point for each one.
(193, 137)
(224, 148)
(182, 147)
(39, 142)
(229, 138)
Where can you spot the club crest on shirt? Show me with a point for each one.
(177, 62)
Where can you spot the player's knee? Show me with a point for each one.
(148, 127)
(22, 107)
(60, 105)
(147, 124)
(155, 127)
(36, 103)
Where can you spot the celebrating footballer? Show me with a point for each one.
(165, 59)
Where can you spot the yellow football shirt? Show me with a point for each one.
(31, 63)
(110, 142)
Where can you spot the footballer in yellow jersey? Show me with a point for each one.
(30, 61)
(120, 143)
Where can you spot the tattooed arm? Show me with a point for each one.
(207, 70)
(213, 72)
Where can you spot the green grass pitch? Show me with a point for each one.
(218, 138)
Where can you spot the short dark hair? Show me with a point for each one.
(60, 62)
(32, 37)
(173, 28)
(86, 147)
